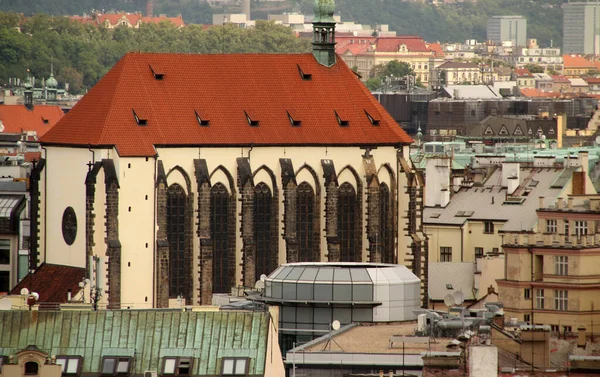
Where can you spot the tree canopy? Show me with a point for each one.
(82, 54)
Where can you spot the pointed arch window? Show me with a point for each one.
(263, 203)
(219, 220)
(386, 233)
(305, 205)
(178, 265)
(347, 217)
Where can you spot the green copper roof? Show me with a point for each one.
(324, 10)
(148, 335)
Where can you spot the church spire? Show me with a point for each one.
(324, 32)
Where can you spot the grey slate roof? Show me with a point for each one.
(460, 275)
(470, 92)
(487, 202)
(148, 335)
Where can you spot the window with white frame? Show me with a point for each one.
(70, 365)
(561, 265)
(115, 366)
(551, 226)
(539, 299)
(580, 228)
(234, 367)
(177, 366)
(561, 300)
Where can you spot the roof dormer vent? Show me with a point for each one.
(373, 121)
(157, 72)
(202, 118)
(253, 122)
(293, 121)
(304, 75)
(140, 119)
(341, 121)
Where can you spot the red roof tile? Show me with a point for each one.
(17, 118)
(437, 49)
(592, 80)
(224, 87)
(536, 93)
(560, 79)
(523, 72)
(391, 44)
(52, 282)
(576, 61)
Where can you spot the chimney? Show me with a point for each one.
(561, 121)
(510, 176)
(324, 33)
(149, 8)
(437, 189)
(583, 160)
(570, 202)
(246, 9)
(541, 203)
(560, 202)
(578, 184)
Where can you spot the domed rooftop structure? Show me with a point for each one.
(51, 83)
(324, 10)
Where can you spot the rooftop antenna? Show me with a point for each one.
(335, 326)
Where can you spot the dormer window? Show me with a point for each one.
(157, 72)
(304, 75)
(139, 118)
(342, 122)
(294, 122)
(45, 121)
(373, 121)
(202, 119)
(253, 122)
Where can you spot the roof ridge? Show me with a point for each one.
(113, 98)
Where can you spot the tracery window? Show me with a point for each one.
(263, 202)
(386, 233)
(347, 217)
(219, 220)
(176, 210)
(305, 204)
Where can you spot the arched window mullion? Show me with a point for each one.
(347, 218)
(305, 203)
(263, 200)
(219, 212)
(176, 212)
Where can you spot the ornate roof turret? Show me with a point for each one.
(324, 11)
(324, 32)
(51, 83)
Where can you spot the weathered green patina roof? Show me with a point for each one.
(148, 335)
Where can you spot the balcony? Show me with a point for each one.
(552, 240)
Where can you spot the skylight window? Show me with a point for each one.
(157, 72)
(294, 122)
(202, 119)
(252, 122)
(139, 118)
(373, 121)
(304, 75)
(435, 216)
(341, 122)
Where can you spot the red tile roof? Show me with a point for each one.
(392, 44)
(576, 61)
(560, 79)
(523, 72)
(537, 93)
(437, 49)
(18, 118)
(592, 80)
(224, 87)
(52, 282)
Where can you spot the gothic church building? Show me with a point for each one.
(188, 175)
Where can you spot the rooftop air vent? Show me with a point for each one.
(202, 118)
(157, 72)
(252, 121)
(140, 118)
(293, 120)
(342, 122)
(304, 75)
(373, 121)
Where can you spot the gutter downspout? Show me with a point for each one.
(45, 203)
(154, 235)
(462, 243)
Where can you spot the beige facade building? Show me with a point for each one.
(468, 215)
(457, 73)
(364, 53)
(551, 274)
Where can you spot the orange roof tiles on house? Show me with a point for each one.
(177, 21)
(18, 118)
(523, 72)
(437, 49)
(536, 93)
(225, 88)
(52, 282)
(592, 80)
(576, 61)
(560, 79)
(392, 44)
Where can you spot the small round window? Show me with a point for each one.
(69, 225)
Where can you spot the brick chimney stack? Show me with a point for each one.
(149, 8)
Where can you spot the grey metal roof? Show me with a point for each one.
(148, 335)
(8, 203)
(460, 275)
(488, 202)
(471, 91)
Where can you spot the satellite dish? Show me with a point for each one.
(260, 285)
(449, 300)
(335, 325)
(36, 296)
(459, 297)
(263, 277)
(24, 291)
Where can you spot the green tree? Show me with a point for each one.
(534, 68)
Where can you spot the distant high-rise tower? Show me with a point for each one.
(581, 27)
(149, 8)
(507, 28)
(246, 8)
